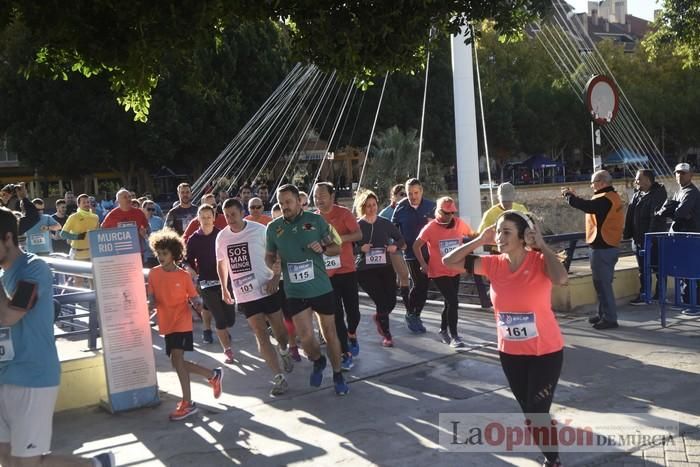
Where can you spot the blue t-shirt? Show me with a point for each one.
(35, 363)
(410, 221)
(38, 240)
(155, 223)
(387, 212)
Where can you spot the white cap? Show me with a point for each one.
(682, 167)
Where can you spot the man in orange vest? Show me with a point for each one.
(605, 220)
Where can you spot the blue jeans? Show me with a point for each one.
(603, 269)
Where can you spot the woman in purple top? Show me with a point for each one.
(201, 261)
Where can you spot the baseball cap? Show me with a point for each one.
(682, 167)
(506, 192)
(447, 205)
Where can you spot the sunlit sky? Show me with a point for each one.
(640, 8)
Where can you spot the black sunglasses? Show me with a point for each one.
(256, 207)
(151, 209)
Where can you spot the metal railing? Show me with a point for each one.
(75, 301)
(474, 288)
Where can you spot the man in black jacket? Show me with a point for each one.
(640, 219)
(684, 209)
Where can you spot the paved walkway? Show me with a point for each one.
(390, 417)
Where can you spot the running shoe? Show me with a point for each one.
(287, 362)
(387, 342)
(279, 385)
(341, 387)
(375, 317)
(228, 353)
(419, 325)
(215, 382)
(106, 459)
(294, 352)
(638, 302)
(354, 345)
(691, 311)
(346, 363)
(316, 377)
(207, 336)
(457, 343)
(444, 336)
(411, 324)
(183, 410)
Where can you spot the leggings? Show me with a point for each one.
(533, 379)
(449, 287)
(380, 285)
(347, 303)
(419, 291)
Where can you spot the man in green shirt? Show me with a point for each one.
(300, 238)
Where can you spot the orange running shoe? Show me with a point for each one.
(183, 410)
(215, 381)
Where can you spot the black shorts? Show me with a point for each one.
(323, 304)
(179, 340)
(268, 305)
(285, 305)
(223, 313)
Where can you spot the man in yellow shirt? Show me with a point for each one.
(506, 201)
(76, 228)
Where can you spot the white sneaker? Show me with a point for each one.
(279, 385)
(457, 343)
(287, 362)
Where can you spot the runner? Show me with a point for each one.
(301, 238)
(411, 214)
(276, 211)
(60, 245)
(128, 214)
(201, 261)
(397, 193)
(376, 275)
(170, 292)
(264, 195)
(219, 221)
(240, 255)
(181, 215)
(29, 366)
(39, 235)
(442, 235)
(244, 194)
(341, 269)
(77, 226)
(256, 208)
(155, 223)
(530, 343)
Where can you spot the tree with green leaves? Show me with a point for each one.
(393, 159)
(134, 46)
(676, 31)
(75, 127)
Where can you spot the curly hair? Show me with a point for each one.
(167, 239)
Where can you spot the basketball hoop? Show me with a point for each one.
(601, 99)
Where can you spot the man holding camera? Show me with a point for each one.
(14, 197)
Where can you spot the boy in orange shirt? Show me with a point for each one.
(171, 292)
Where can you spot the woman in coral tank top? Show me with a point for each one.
(530, 343)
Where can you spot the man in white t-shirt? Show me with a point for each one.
(240, 257)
